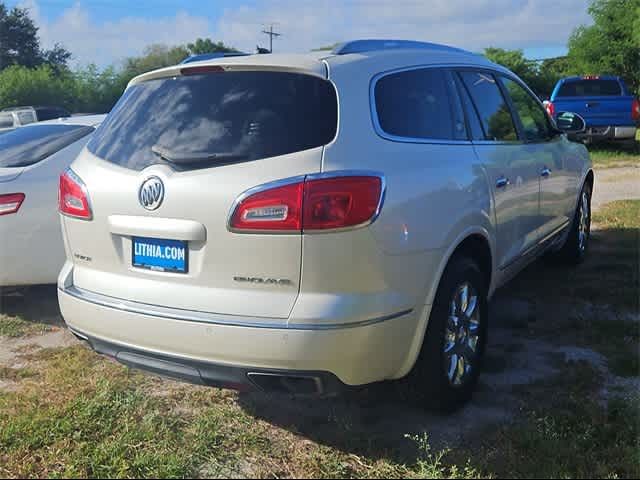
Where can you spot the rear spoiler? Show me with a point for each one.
(223, 65)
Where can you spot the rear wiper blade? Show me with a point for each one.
(187, 158)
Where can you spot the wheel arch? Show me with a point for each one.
(475, 242)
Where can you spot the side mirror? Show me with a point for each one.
(570, 122)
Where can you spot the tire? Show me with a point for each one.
(576, 247)
(432, 381)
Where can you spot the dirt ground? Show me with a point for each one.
(522, 353)
(615, 184)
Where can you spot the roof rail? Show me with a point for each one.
(370, 45)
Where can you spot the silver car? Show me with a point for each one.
(31, 161)
(306, 223)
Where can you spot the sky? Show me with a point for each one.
(105, 32)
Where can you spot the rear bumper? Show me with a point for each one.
(217, 375)
(240, 353)
(606, 132)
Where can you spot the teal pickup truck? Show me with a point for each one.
(610, 111)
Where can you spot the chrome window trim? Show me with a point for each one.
(301, 178)
(212, 318)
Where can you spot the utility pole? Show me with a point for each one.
(271, 34)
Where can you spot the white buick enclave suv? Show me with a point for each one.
(305, 223)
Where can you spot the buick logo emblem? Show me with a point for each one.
(151, 193)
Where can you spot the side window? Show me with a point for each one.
(470, 110)
(46, 114)
(26, 118)
(532, 116)
(491, 106)
(6, 120)
(415, 104)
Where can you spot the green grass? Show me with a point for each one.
(624, 214)
(16, 327)
(609, 279)
(605, 156)
(98, 419)
(609, 276)
(568, 433)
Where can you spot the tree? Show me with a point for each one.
(20, 45)
(612, 44)
(32, 86)
(206, 45)
(57, 58)
(155, 56)
(526, 69)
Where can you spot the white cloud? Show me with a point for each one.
(307, 24)
(102, 43)
(469, 24)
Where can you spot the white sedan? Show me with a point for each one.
(31, 160)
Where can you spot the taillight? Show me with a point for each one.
(10, 203)
(340, 202)
(317, 202)
(635, 109)
(551, 109)
(273, 209)
(73, 199)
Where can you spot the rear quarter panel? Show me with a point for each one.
(437, 194)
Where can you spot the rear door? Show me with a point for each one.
(512, 170)
(545, 149)
(206, 138)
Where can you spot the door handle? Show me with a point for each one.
(502, 182)
(545, 172)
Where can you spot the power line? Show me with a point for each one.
(271, 34)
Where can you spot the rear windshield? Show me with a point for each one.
(590, 88)
(28, 145)
(199, 121)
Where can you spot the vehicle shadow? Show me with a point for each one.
(36, 304)
(532, 327)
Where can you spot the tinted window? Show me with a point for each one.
(29, 145)
(470, 111)
(491, 106)
(533, 118)
(416, 104)
(197, 121)
(51, 113)
(589, 88)
(26, 117)
(459, 124)
(6, 120)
